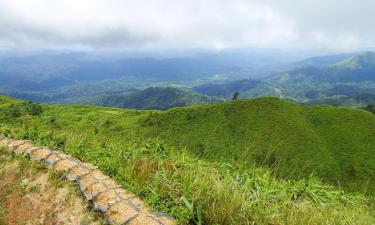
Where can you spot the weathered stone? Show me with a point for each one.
(86, 181)
(144, 219)
(52, 158)
(40, 154)
(120, 206)
(93, 190)
(100, 175)
(62, 155)
(15, 144)
(111, 184)
(124, 195)
(30, 150)
(165, 219)
(121, 213)
(22, 149)
(5, 142)
(89, 166)
(138, 204)
(77, 172)
(65, 164)
(105, 199)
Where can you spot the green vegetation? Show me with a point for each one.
(354, 101)
(153, 98)
(155, 154)
(370, 108)
(334, 143)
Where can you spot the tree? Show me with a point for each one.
(236, 95)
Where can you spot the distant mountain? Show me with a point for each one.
(337, 79)
(360, 100)
(352, 76)
(247, 88)
(322, 61)
(153, 98)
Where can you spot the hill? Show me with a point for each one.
(360, 100)
(334, 143)
(153, 98)
(216, 164)
(352, 76)
(247, 88)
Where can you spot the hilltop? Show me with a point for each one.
(334, 143)
(202, 164)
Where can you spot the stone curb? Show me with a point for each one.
(119, 206)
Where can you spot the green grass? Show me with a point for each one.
(159, 159)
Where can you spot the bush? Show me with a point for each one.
(34, 109)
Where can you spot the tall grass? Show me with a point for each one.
(199, 192)
(176, 181)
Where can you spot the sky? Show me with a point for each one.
(337, 25)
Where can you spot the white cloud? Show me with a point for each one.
(143, 24)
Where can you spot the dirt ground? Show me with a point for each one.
(30, 194)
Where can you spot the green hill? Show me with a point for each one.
(215, 164)
(153, 98)
(247, 89)
(337, 144)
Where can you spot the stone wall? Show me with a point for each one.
(118, 205)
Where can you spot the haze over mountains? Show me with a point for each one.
(76, 77)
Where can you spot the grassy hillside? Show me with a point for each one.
(144, 151)
(153, 98)
(247, 89)
(337, 144)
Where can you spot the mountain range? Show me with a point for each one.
(342, 79)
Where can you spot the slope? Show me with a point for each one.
(153, 98)
(337, 144)
(222, 189)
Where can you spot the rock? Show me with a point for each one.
(120, 206)
(93, 190)
(76, 172)
(111, 184)
(52, 158)
(105, 199)
(165, 219)
(14, 144)
(123, 194)
(64, 165)
(30, 150)
(144, 219)
(121, 213)
(99, 175)
(21, 149)
(40, 154)
(86, 181)
(138, 204)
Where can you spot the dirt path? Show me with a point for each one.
(104, 194)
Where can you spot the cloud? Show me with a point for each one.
(184, 24)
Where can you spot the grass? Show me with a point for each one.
(132, 147)
(336, 144)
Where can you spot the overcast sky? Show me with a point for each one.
(340, 25)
